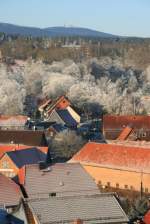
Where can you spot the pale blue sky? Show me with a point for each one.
(122, 17)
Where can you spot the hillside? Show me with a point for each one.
(51, 31)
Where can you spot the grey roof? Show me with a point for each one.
(10, 193)
(62, 179)
(99, 208)
(54, 117)
(26, 156)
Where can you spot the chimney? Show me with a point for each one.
(21, 175)
(42, 165)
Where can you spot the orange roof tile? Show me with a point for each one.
(147, 218)
(13, 120)
(119, 122)
(114, 156)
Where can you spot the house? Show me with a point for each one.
(97, 208)
(59, 111)
(11, 162)
(17, 122)
(48, 105)
(10, 193)
(24, 137)
(11, 206)
(114, 124)
(13, 147)
(60, 179)
(63, 117)
(117, 166)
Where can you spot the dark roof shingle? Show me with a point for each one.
(99, 208)
(61, 178)
(25, 137)
(26, 156)
(67, 118)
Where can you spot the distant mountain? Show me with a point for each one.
(76, 31)
(51, 31)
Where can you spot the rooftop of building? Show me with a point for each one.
(10, 194)
(121, 121)
(97, 208)
(60, 179)
(114, 156)
(14, 147)
(26, 156)
(25, 137)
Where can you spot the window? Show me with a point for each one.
(126, 186)
(117, 185)
(53, 194)
(146, 190)
(5, 164)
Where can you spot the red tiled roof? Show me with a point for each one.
(12, 147)
(54, 104)
(114, 156)
(10, 193)
(18, 119)
(58, 104)
(147, 218)
(119, 122)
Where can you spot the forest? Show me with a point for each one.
(94, 85)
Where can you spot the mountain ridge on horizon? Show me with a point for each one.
(54, 31)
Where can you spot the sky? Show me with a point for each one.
(120, 17)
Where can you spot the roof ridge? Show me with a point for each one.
(97, 195)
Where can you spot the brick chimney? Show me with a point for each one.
(21, 175)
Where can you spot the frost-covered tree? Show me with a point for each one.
(105, 83)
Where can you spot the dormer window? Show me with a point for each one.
(53, 194)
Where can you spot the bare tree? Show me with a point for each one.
(66, 144)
